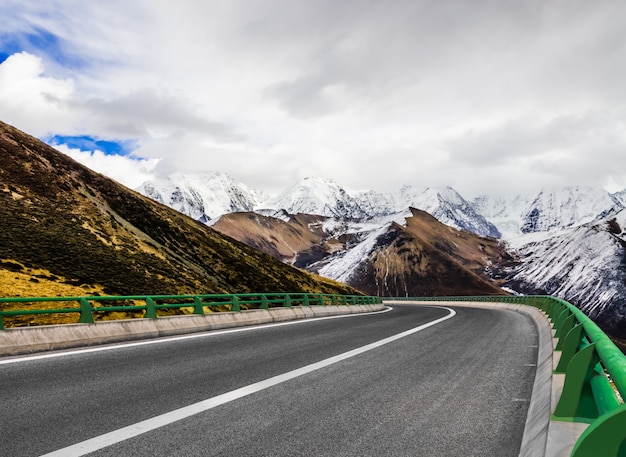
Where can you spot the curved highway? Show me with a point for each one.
(431, 381)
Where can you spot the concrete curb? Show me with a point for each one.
(26, 340)
(535, 438)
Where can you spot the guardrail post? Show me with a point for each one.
(320, 299)
(264, 303)
(85, 312)
(1, 324)
(554, 309)
(558, 324)
(567, 325)
(571, 345)
(235, 304)
(333, 300)
(151, 311)
(577, 402)
(606, 436)
(287, 302)
(305, 300)
(198, 306)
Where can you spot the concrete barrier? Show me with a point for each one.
(26, 340)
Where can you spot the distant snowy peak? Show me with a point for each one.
(202, 196)
(583, 264)
(319, 196)
(620, 197)
(451, 209)
(378, 204)
(445, 204)
(547, 210)
(565, 207)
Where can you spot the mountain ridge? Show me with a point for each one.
(346, 235)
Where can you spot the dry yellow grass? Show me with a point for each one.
(34, 283)
(39, 283)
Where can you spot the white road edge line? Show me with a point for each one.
(122, 434)
(110, 347)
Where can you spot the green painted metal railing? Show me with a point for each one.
(199, 304)
(595, 374)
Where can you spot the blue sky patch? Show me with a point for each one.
(9, 45)
(88, 143)
(39, 42)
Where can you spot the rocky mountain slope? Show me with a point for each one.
(288, 240)
(585, 264)
(546, 210)
(421, 257)
(414, 255)
(62, 223)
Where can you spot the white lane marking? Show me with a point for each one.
(181, 337)
(122, 434)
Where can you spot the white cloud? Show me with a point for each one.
(29, 99)
(372, 94)
(132, 172)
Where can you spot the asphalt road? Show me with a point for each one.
(459, 387)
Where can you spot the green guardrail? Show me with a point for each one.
(87, 306)
(595, 374)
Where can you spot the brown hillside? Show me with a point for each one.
(66, 230)
(428, 258)
(298, 241)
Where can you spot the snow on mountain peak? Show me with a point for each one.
(582, 264)
(319, 196)
(549, 209)
(325, 197)
(203, 196)
(446, 205)
(620, 197)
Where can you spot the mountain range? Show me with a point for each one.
(67, 230)
(564, 241)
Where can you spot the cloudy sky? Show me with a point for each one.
(486, 95)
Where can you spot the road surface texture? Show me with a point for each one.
(460, 387)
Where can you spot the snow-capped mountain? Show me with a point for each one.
(569, 241)
(202, 196)
(620, 197)
(327, 198)
(452, 209)
(547, 210)
(323, 197)
(206, 196)
(445, 204)
(415, 257)
(585, 265)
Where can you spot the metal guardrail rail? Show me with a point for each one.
(595, 374)
(87, 306)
